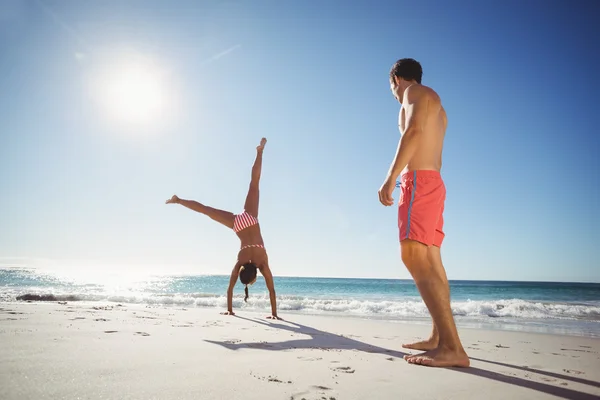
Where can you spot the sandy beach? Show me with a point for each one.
(110, 351)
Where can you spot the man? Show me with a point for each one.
(422, 122)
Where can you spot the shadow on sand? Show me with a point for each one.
(328, 341)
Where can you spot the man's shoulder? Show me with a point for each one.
(421, 92)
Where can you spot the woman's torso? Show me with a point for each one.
(252, 246)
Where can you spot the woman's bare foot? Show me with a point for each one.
(428, 344)
(173, 200)
(440, 357)
(262, 144)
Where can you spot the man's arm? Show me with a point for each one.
(418, 104)
(266, 272)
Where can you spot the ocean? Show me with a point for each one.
(564, 308)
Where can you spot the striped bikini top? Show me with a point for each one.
(243, 221)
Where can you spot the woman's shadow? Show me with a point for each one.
(322, 340)
(319, 340)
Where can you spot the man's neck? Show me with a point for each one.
(405, 87)
(402, 87)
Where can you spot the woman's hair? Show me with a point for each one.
(247, 275)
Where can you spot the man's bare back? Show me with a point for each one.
(428, 155)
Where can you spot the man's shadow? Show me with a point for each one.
(328, 341)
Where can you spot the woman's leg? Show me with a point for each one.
(251, 205)
(224, 217)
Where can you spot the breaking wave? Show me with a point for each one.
(397, 308)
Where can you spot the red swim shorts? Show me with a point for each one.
(421, 207)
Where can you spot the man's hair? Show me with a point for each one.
(247, 275)
(407, 69)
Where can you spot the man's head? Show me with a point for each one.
(247, 276)
(404, 72)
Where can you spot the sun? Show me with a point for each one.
(132, 89)
(134, 93)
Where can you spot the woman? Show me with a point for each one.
(252, 255)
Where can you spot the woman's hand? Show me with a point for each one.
(275, 317)
(227, 313)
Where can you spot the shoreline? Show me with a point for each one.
(551, 326)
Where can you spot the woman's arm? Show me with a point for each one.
(266, 272)
(232, 279)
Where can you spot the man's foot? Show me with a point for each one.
(423, 345)
(262, 144)
(440, 357)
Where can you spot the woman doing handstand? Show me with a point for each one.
(252, 254)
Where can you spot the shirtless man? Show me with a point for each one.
(422, 122)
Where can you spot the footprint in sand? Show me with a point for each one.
(142, 334)
(390, 358)
(208, 324)
(270, 378)
(101, 319)
(346, 370)
(582, 351)
(502, 347)
(309, 358)
(110, 331)
(233, 341)
(73, 319)
(573, 371)
(315, 392)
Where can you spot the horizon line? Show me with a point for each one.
(181, 273)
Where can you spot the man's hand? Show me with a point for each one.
(385, 192)
(173, 200)
(275, 317)
(227, 313)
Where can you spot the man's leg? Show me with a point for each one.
(251, 204)
(435, 292)
(435, 259)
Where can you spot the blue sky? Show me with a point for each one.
(80, 187)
